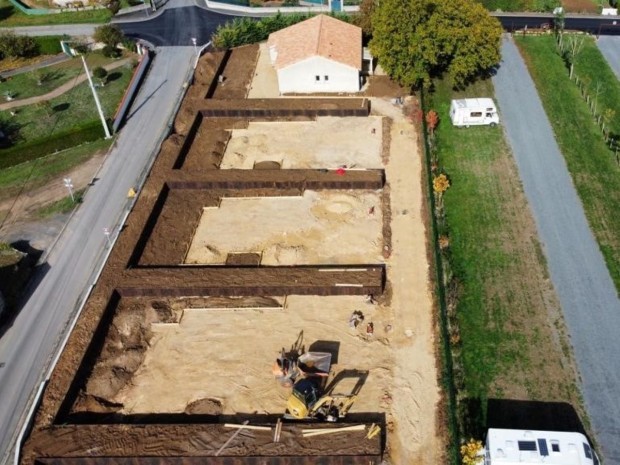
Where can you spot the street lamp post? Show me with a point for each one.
(194, 40)
(69, 186)
(97, 103)
(106, 233)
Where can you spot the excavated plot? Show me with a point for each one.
(328, 142)
(207, 359)
(320, 227)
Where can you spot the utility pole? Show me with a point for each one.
(92, 87)
(69, 186)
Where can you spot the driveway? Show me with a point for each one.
(27, 347)
(587, 294)
(610, 48)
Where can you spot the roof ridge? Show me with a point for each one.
(318, 39)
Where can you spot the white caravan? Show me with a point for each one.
(518, 447)
(473, 112)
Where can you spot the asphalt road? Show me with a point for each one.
(610, 48)
(27, 346)
(176, 26)
(587, 294)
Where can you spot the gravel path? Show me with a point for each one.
(610, 48)
(587, 294)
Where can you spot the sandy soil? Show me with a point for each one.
(327, 227)
(265, 79)
(161, 353)
(416, 392)
(203, 358)
(354, 142)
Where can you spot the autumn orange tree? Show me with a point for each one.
(416, 40)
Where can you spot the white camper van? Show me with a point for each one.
(523, 447)
(473, 112)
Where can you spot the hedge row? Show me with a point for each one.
(28, 151)
(244, 31)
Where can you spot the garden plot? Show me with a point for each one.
(205, 361)
(319, 227)
(328, 142)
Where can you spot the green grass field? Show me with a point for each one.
(600, 80)
(64, 205)
(510, 346)
(72, 108)
(592, 165)
(27, 85)
(39, 172)
(12, 17)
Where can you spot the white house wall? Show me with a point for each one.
(301, 78)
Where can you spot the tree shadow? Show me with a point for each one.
(114, 76)
(23, 279)
(9, 132)
(6, 12)
(61, 107)
(477, 416)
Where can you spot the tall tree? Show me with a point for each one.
(416, 40)
(109, 34)
(364, 18)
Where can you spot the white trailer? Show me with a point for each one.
(519, 447)
(473, 112)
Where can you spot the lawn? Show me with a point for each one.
(592, 165)
(64, 205)
(512, 342)
(12, 17)
(27, 85)
(37, 173)
(73, 108)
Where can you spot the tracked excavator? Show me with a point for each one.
(307, 375)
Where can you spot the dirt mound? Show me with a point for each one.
(206, 406)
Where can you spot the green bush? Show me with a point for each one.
(48, 45)
(13, 45)
(110, 51)
(21, 153)
(243, 31)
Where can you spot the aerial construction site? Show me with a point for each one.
(268, 298)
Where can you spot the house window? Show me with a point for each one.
(317, 78)
(555, 445)
(326, 78)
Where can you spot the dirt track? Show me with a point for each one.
(127, 351)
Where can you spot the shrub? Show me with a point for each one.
(114, 6)
(110, 52)
(12, 45)
(109, 34)
(243, 31)
(100, 73)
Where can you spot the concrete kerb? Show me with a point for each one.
(38, 394)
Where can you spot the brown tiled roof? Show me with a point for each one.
(319, 36)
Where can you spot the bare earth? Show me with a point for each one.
(221, 358)
(331, 143)
(333, 227)
(208, 355)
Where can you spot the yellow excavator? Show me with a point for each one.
(310, 399)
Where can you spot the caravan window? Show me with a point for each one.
(587, 450)
(475, 114)
(555, 445)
